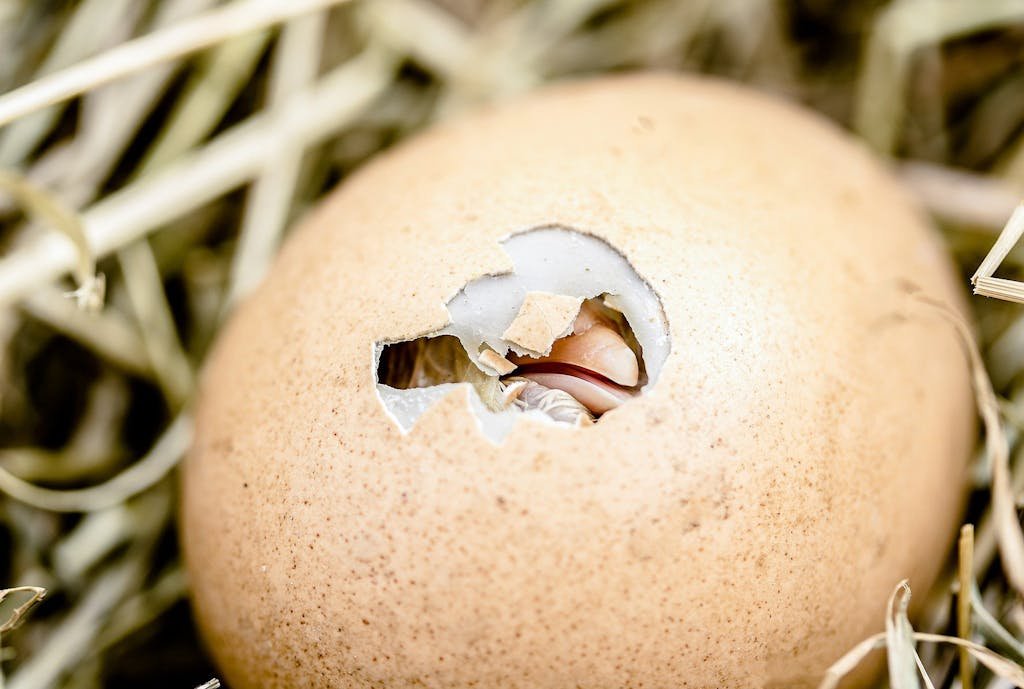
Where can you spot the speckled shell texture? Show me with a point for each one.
(741, 525)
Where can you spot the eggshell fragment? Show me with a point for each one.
(496, 362)
(739, 523)
(542, 319)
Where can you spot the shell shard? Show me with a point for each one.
(496, 362)
(542, 318)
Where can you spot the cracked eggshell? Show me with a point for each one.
(741, 524)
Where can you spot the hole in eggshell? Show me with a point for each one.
(594, 367)
(570, 333)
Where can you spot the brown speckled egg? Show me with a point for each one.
(788, 441)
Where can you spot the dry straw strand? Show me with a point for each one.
(993, 632)
(99, 533)
(295, 65)
(963, 601)
(1004, 512)
(959, 197)
(899, 640)
(88, 30)
(1007, 669)
(96, 148)
(35, 595)
(162, 458)
(1000, 666)
(47, 209)
(1007, 239)
(75, 169)
(422, 30)
(214, 26)
(70, 642)
(143, 608)
(900, 30)
(211, 88)
(156, 322)
(108, 333)
(204, 174)
(1000, 288)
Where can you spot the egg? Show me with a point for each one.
(627, 383)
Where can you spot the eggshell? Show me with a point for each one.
(542, 319)
(740, 524)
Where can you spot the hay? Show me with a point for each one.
(174, 141)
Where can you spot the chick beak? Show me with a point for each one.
(594, 364)
(595, 394)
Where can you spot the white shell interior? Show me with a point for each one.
(548, 259)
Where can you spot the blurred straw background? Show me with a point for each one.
(155, 182)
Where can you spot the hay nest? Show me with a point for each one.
(153, 152)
